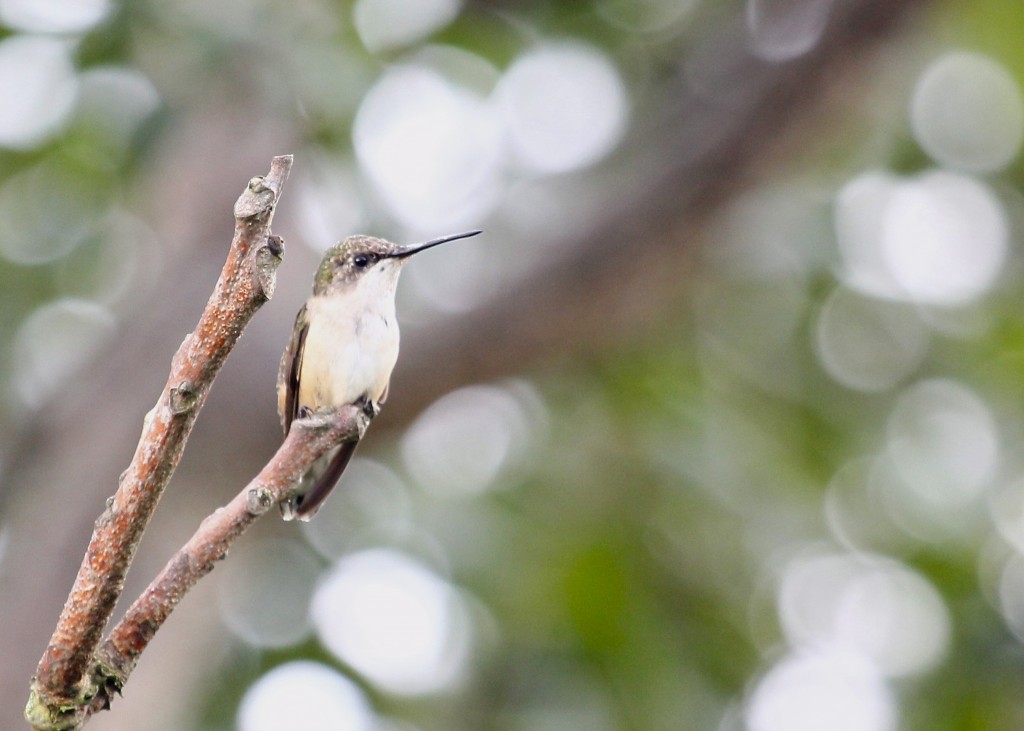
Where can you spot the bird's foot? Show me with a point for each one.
(368, 406)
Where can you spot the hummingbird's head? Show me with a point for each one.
(362, 257)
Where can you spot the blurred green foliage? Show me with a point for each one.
(631, 561)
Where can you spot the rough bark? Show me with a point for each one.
(62, 685)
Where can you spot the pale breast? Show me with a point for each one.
(350, 350)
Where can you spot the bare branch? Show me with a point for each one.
(62, 685)
(308, 440)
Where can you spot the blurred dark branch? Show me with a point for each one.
(62, 686)
(707, 145)
(728, 114)
(308, 439)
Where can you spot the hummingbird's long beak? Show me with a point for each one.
(404, 251)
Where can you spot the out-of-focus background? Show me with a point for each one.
(718, 426)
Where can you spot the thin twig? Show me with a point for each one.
(62, 685)
(308, 439)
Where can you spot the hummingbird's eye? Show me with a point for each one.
(361, 261)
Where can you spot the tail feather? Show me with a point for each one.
(304, 506)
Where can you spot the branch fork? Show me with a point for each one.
(77, 675)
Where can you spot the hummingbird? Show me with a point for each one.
(343, 348)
